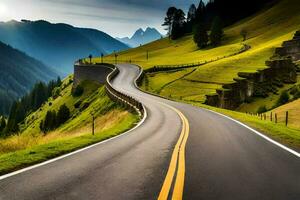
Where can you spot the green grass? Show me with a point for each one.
(266, 31)
(289, 136)
(294, 114)
(36, 154)
(31, 146)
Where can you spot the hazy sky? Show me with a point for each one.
(116, 17)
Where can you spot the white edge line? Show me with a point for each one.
(74, 152)
(258, 133)
(242, 124)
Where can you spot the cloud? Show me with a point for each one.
(117, 17)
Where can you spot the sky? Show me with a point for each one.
(118, 18)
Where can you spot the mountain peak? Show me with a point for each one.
(141, 37)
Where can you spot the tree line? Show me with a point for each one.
(54, 119)
(21, 108)
(209, 18)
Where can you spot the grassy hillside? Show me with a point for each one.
(266, 31)
(32, 146)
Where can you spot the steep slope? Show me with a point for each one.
(141, 37)
(266, 30)
(57, 45)
(18, 73)
(31, 145)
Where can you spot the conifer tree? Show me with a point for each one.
(178, 24)
(63, 114)
(200, 36)
(169, 19)
(2, 124)
(216, 32)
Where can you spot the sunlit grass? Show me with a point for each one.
(294, 113)
(59, 145)
(32, 146)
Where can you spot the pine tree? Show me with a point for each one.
(63, 114)
(39, 95)
(49, 122)
(200, 36)
(2, 124)
(216, 32)
(200, 12)
(169, 19)
(178, 25)
(12, 125)
(58, 82)
(192, 13)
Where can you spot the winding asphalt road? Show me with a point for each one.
(178, 150)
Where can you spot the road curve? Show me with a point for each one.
(223, 160)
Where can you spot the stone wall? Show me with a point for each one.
(281, 69)
(96, 73)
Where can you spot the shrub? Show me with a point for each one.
(54, 120)
(78, 91)
(77, 104)
(284, 98)
(262, 109)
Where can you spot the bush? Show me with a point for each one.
(77, 104)
(54, 120)
(78, 91)
(262, 109)
(63, 114)
(284, 98)
(56, 92)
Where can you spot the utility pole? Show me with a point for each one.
(116, 58)
(90, 57)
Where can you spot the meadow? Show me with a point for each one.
(31, 145)
(266, 31)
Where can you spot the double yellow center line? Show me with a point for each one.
(177, 164)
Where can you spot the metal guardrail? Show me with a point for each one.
(123, 99)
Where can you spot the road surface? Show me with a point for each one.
(179, 151)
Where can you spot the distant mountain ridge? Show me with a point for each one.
(141, 37)
(57, 45)
(18, 73)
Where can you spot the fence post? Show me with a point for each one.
(275, 118)
(261, 115)
(93, 124)
(271, 117)
(286, 118)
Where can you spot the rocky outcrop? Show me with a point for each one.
(290, 48)
(280, 69)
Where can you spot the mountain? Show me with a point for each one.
(18, 73)
(141, 37)
(57, 45)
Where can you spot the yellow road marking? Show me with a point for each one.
(179, 151)
(179, 183)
